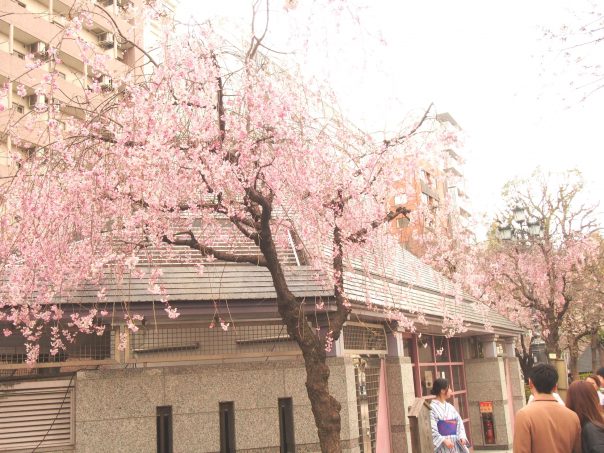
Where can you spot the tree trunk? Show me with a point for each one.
(573, 352)
(526, 363)
(595, 350)
(524, 358)
(325, 408)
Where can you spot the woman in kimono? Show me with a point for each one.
(448, 433)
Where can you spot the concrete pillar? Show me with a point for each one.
(11, 38)
(496, 380)
(516, 383)
(509, 347)
(401, 392)
(489, 346)
(560, 366)
(343, 387)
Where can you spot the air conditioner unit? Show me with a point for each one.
(125, 4)
(106, 40)
(28, 151)
(105, 82)
(38, 49)
(36, 100)
(56, 104)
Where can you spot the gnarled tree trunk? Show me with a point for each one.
(325, 408)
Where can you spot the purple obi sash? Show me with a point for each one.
(447, 427)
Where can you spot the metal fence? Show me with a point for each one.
(364, 338)
(189, 341)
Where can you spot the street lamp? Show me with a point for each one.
(521, 228)
(534, 228)
(505, 232)
(519, 214)
(524, 228)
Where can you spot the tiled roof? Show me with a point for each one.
(404, 283)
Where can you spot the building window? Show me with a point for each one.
(400, 199)
(227, 426)
(402, 222)
(286, 425)
(427, 178)
(164, 429)
(20, 55)
(18, 108)
(21, 4)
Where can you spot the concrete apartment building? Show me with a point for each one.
(438, 183)
(187, 385)
(31, 28)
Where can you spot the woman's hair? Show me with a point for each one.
(582, 398)
(439, 385)
(593, 377)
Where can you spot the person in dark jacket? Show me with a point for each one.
(582, 398)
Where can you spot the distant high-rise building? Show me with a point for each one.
(439, 186)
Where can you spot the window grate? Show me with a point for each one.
(201, 340)
(364, 338)
(85, 347)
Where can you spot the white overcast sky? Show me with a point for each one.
(487, 63)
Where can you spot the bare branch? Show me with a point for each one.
(359, 236)
(194, 244)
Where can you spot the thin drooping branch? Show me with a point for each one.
(403, 138)
(359, 236)
(126, 40)
(207, 251)
(255, 42)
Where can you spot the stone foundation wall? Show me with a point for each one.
(116, 409)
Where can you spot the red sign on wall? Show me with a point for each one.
(486, 407)
(488, 424)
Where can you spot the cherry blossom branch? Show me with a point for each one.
(402, 139)
(359, 236)
(194, 244)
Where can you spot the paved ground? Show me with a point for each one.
(492, 451)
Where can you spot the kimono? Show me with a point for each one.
(450, 422)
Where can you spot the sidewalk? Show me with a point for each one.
(493, 451)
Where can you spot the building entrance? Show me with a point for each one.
(439, 357)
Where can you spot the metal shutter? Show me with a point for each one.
(36, 414)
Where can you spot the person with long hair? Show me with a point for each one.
(448, 432)
(582, 399)
(594, 380)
